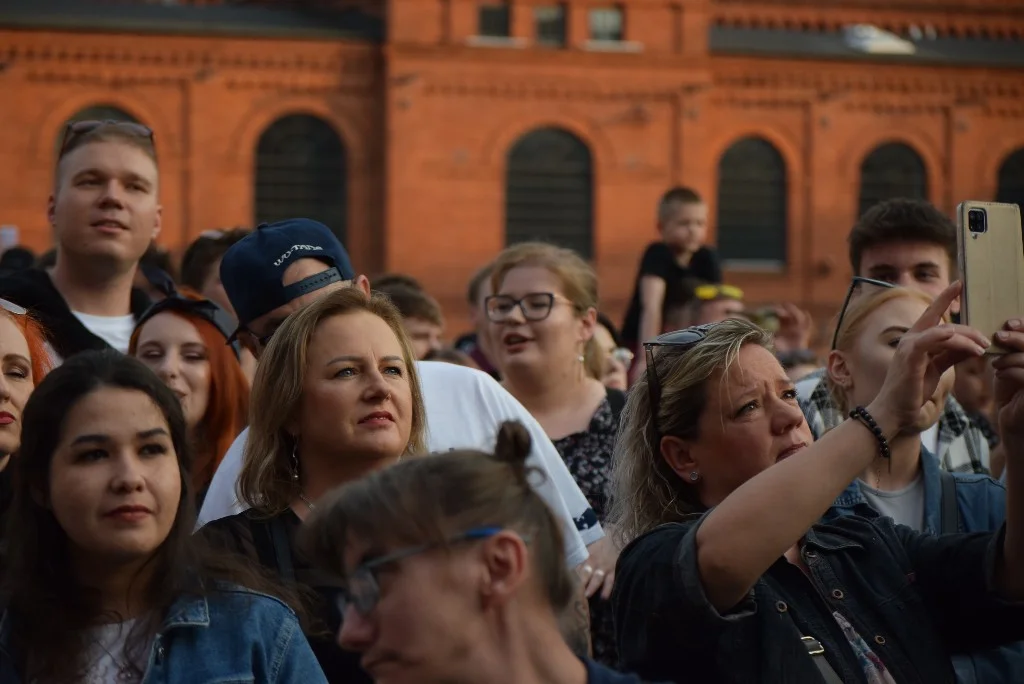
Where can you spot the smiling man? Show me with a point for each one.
(104, 212)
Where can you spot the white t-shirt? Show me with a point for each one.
(114, 330)
(464, 409)
(109, 664)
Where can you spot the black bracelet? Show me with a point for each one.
(861, 414)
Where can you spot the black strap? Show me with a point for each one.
(949, 511)
(616, 402)
(817, 653)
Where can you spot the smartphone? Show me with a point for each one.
(991, 256)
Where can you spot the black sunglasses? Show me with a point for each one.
(685, 338)
(76, 129)
(855, 284)
(203, 308)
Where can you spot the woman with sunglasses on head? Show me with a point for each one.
(452, 571)
(25, 362)
(543, 316)
(104, 581)
(336, 397)
(184, 339)
(731, 575)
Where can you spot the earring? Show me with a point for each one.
(295, 461)
(582, 358)
(694, 476)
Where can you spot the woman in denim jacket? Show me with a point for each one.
(911, 492)
(731, 575)
(103, 579)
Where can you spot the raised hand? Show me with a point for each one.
(1009, 382)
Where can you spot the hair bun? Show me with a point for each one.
(513, 446)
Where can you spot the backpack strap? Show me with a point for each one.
(817, 653)
(617, 402)
(949, 511)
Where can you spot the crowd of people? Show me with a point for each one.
(260, 464)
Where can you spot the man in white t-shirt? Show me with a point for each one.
(281, 268)
(104, 212)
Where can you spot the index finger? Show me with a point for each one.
(932, 316)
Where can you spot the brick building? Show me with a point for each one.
(428, 133)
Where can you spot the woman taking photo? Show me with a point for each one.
(104, 581)
(335, 397)
(730, 577)
(543, 316)
(183, 338)
(453, 572)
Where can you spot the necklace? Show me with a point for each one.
(305, 500)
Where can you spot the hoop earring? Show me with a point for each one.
(295, 461)
(694, 476)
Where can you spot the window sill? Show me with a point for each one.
(766, 266)
(496, 41)
(613, 46)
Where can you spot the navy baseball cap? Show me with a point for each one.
(252, 268)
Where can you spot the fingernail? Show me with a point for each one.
(1014, 323)
(1003, 335)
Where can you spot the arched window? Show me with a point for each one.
(549, 193)
(752, 204)
(302, 172)
(100, 112)
(1011, 179)
(892, 170)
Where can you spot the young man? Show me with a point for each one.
(909, 243)
(474, 344)
(281, 268)
(421, 317)
(105, 214)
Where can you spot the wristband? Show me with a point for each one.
(861, 415)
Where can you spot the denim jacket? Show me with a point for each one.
(982, 505)
(890, 582)
(231, 635)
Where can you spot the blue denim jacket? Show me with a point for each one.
(232, 635)
(982, 505)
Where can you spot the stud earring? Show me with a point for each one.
(694, 476)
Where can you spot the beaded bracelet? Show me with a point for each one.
(861, 414)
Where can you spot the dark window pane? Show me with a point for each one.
(549, 191)
(890, 171)
(494, 20)
(301, 172)
(606, 24)
(550, 24)
(1011, 179)
(752, 203)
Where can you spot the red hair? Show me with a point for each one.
(35, 336)
(228, 407)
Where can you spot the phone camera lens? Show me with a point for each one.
(977, 221)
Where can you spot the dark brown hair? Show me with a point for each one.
(412, 303)
(387, 281)
(902, 220)
(674, 196)
(50, 610)
(430, 500)
(204, 252)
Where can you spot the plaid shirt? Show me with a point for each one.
(962, 446)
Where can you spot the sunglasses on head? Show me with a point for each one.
(76, 129)
(11, 307)
(858, 284)
(680, 339)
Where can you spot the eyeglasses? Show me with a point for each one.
(535, 306)
(707, 293)
(856, 285)
(623, 356)
(685, 338)
(11, 307)
(76, 129)
(363, 592)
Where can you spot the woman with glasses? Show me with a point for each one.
(452, 571)
(543, 316)
(731, 575)
(336, 397)
(607, 359)
(103, 580)
(183, 338)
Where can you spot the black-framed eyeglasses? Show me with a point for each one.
(76, 129)
(535, 306)
(685, 338)
(363, 592)
(856, 284)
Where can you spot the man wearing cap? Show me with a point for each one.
(279, 269)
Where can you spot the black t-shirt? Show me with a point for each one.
(659, 261)
(599, 674)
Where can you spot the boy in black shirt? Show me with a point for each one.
(679, 255)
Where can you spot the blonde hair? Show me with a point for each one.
(856, 315)
(266, 483)
(646, 492)
(577, 278)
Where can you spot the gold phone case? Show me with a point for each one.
(991, 267)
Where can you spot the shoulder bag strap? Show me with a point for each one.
(949, 511)
(817, 653)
